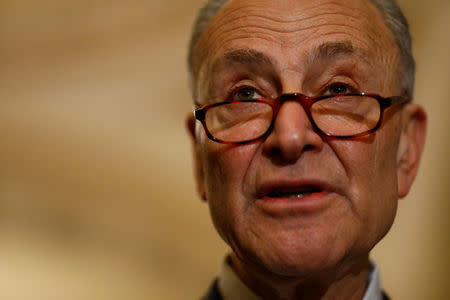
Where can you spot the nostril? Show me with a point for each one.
(308, 147)
(278, 158)
(287, 147)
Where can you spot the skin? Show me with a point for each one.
(318, 251)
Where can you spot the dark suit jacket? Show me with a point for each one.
(214, 294)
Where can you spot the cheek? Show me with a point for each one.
(369, 166)
(226, 170)
(371, 170)
(370, 162)
(225, 167)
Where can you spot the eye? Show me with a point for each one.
(246, 93)
(338, 88)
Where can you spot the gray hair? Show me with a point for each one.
(393, 16)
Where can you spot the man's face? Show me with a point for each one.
(296, 202)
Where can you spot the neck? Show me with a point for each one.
(349, 282)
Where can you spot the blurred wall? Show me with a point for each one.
(97, 199)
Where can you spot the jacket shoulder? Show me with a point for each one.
(213, 292)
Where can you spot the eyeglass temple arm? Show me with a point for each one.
(199, 114)
(398, 100)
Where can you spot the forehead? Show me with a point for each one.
(293, 27)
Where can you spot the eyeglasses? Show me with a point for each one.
(342, 116)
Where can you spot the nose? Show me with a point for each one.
(292, 134)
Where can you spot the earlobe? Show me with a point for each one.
(412, 140)
(198, 166)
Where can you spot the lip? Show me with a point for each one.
(320, 196)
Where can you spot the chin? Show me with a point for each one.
(296, 256)
(299, 265)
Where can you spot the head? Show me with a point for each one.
(296, 202)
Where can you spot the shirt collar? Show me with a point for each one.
(231, 287)
(373, 291)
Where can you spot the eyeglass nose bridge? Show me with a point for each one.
(305, 101)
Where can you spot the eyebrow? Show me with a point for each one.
(247, 56)
(331, 50)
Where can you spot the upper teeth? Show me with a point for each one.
(299, 195)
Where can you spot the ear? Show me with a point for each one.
(412, 140)
(198, 165)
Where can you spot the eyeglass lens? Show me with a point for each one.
(336, 116)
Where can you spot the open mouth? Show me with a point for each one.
(291, 199)
(293, 193)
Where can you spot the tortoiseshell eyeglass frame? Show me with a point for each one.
(306, 102)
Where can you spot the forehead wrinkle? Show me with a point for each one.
(258, 23)
(286, 40)
(284, 14)
(298, 19)
(236, 13)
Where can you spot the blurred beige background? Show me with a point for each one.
(97, 199)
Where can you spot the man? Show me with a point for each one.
(304, 138)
